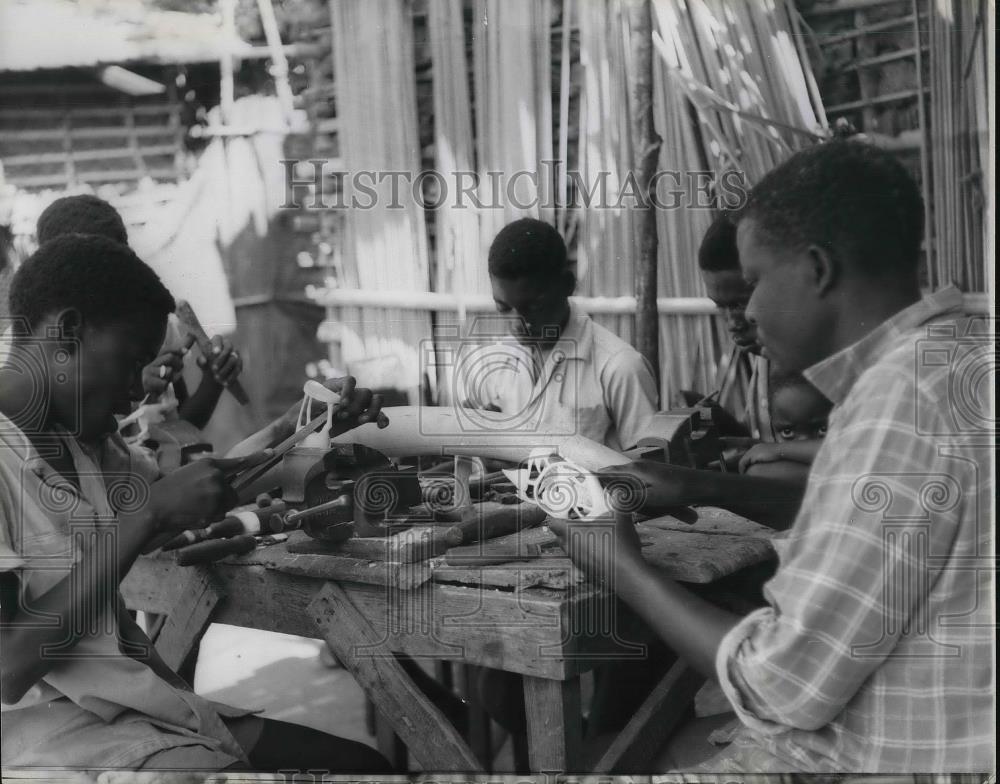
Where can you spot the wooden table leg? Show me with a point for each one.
(388, 742)
(479, 733)
(430, 738)
(652, 724)
(555, 724)
(187, 620)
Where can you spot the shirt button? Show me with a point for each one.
(558, 357)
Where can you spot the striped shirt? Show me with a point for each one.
(875, 652)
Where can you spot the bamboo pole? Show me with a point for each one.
(226, 91)
(280, 70)
(646, 151)
(925, 167)
(483, 303)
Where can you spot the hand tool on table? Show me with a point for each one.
(214, 549)
(190, 322)
(491, 555)
(316, 521)
(484, 522)
(239, 521)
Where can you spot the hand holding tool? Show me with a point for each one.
(190, 321)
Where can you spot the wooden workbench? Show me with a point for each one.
(539, 618)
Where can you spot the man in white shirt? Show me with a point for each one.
(555, 371)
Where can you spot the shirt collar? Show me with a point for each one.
(835, 375)
(576, 341)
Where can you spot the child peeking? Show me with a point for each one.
(799, 415)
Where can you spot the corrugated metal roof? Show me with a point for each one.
(38, 34)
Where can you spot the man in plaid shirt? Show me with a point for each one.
(874, 653)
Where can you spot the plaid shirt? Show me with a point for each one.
(875, 653)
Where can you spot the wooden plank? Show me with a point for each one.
(718, 544)
(876, 27)
(137, 160)
(328, 566)
(713, 520)
(646, 150)
(88, 155)
(555, 724)
(844, 6)
(415, 544)
(435, 300)
(546, 572)
(188, 618)
(62, 89)
(876, 100)
(77, 134)
(882, 59)
(75, 112)
(69, 166)
(431, 739)
(657, 717)
(125, 175)
(695, 557)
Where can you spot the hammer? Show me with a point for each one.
(190, 321)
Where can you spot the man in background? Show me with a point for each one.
(562, 374)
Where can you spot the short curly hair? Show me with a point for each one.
(718, 251)
(101, 278)
(528, 248)
(852, 199)
(81, 214)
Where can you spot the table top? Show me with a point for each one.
(533, 617)
(703, 548)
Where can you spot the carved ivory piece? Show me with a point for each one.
(441, 430)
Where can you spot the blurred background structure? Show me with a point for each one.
(181, 113)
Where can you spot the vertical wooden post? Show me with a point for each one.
(925, 148)
(646, 152)
(280, 70)
(226, 89)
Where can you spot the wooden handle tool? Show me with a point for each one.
(214, 549)
(492, 554)
(190, 321)
(481, 524)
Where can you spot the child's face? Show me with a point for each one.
(105, 376)
(799, 413)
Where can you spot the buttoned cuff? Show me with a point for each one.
(736, 647)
